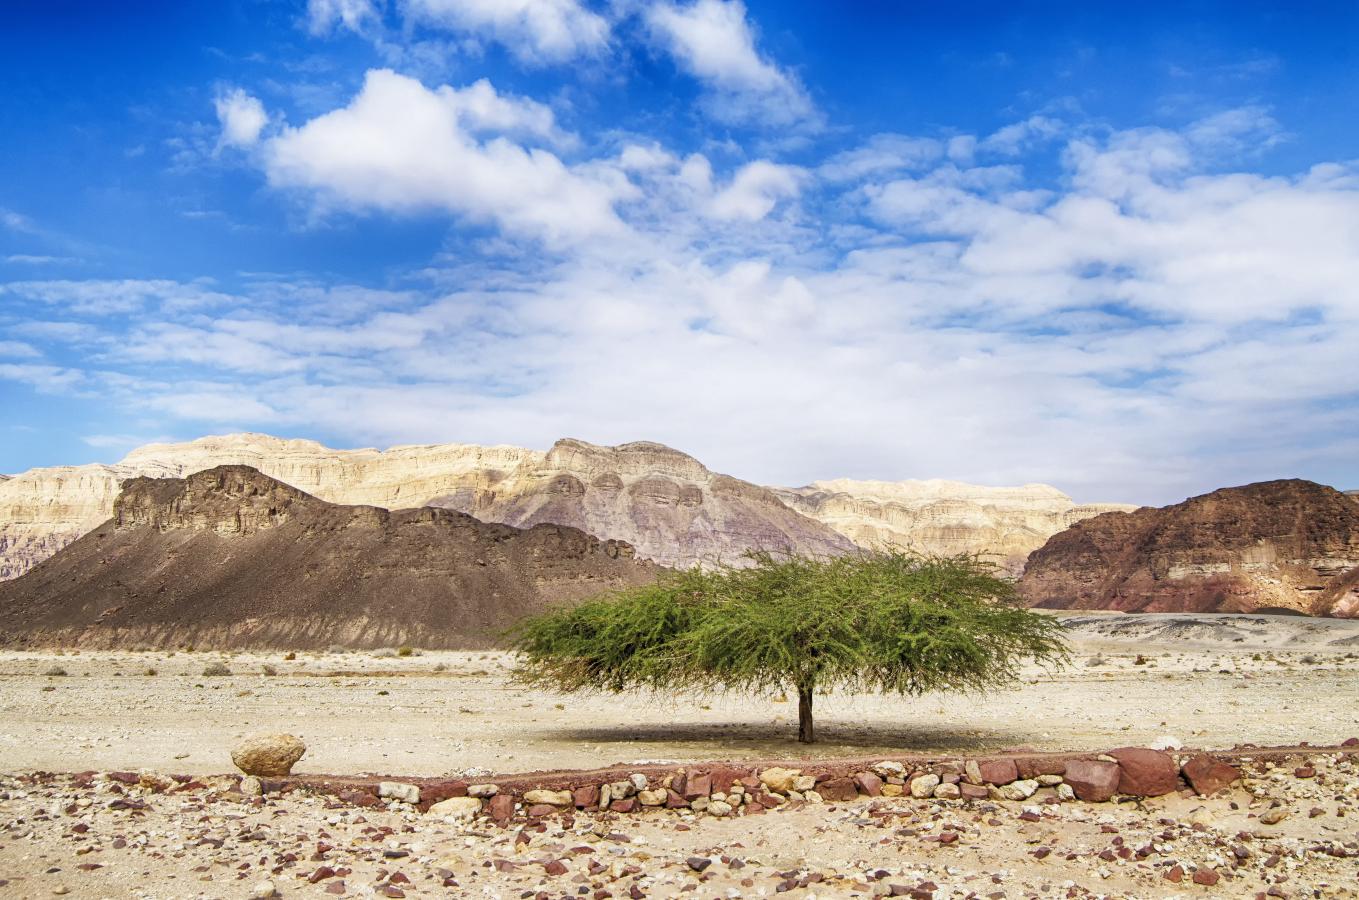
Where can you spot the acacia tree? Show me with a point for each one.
(886, 621)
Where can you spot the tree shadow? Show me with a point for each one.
(738, 738)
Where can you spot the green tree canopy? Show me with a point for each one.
(885, 621)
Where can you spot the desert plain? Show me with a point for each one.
(1169, 680)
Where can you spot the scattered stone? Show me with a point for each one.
(1206, 876)
(263, 890)
(270, 755)
(1273, 816)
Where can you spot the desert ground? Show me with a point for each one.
(1197, 681)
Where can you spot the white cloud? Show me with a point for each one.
(533, 30)
(755, 190)
(242, 118)
(401, 147)
(355, 15)
(115, 297)
(879, 154)
(18, 350)
(1019, 136)
(713, 41)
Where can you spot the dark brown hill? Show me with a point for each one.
(1276, 545)
(229, 557)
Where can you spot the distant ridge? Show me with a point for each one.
(229, 557)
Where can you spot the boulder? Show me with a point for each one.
(271, 755)
(586, 797)
(997, 771)
(1017, 790)
(456, 807)
(840, 790)
(1092, 780)
(501, 808)
(548, 798)
(397, 790)
(1146, 773)
(868, 783)
(948, 792)
(922, 787)
(1208, 775)
(779, 780)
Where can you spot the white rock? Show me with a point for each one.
(263, 890)
(1065, 792)
(1049, 780)
(251, 787)
(719, 808)
(456, 808)
(1166, 742)
(804, 782)
(483, 790)
(1018, 790)
(887, 768)
(549, 798)
(947, 792)
(972, 772)
(639, 781)
(652, 798)
(923, 786)
(396, 790)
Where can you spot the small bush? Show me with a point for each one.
(56, 671)
(216, 669)
(290, 656)
(269, 670)
(149, 672)
(1094, 661)
(441, 667)
(405, 651)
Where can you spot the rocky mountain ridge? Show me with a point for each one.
(1006, 524)
(229, 557)
(665, 503)
(1288, 545)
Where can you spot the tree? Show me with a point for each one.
(886, 621)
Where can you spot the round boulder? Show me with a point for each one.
(269, 755)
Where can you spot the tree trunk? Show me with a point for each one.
(806, 731)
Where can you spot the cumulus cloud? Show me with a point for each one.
(533, 30)
(1139, 327)
(242, 118)
(401, 147)
(713, 41)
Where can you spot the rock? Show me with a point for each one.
(892, 790)
(868, 783)
(1018, 790)
(1064, 792)
(838, 790)
(698, 863)
(1049, 780)
(1093, 781)
(1206, 876)
(1273, 815)
(263, 890)
(456, 807)
(250, 786)
(271, 755)
(397, 790)
(652, 798)
(482, 790)
(948, 792)
(997, 771)
(804, 783)
(586, 797)
(1208, 775)
(639, 782)
(922, 786)
(549, 798)
(697, 786)
(501, 808)
(1166, 742)
(972, 772)
(779, 780)
(888, 769)
(1200, 815)
(719, 808)
(1145, 773)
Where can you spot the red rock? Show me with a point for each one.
(1206, 877)
(555, 867)
(539, 810)
(624, 806)
(721, 779)
(335, 887)
(696, 786)
(1350, 742)
(675, 800)
(1304, 772)
(358, 798)
(1208, 775)
(500, 808)
(390, 891)
(321, 874)
(973, 791)
(433, 792)
(1092, 780)
(868, 783)
(586, 797)
(838, 790)
(1030, 767)
(1175, 874)
(998, 771)
(1145, 773)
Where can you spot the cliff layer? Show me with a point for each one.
(229, 557)
(1273, 546)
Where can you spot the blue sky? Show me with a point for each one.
(1112, 249)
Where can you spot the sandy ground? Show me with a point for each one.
(1207, 681)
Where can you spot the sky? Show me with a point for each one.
(1111, 248)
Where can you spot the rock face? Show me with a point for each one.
(1277, 545)
(666, 504)
(229, 557)
(1005, 524)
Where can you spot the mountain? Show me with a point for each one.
(229, 557)
(1273, 546)
(1005, 524)
(665, 503)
